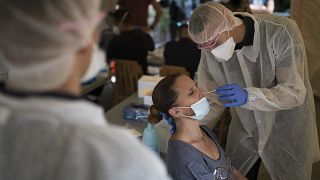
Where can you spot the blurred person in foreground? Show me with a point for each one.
(258, 67)
(47, 130)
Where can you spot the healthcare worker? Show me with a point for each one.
(46, 130)
(258, 66)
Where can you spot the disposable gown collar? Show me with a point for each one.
(251, 52)
(43, 94)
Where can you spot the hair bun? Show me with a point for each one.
(154, 116)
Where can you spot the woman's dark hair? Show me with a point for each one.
(163, 97)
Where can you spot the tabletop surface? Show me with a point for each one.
(114, 115)
(100, 81)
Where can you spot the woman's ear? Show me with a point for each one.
(174, 112)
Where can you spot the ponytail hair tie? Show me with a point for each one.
(170, 121)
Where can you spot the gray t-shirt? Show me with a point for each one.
(186, 162)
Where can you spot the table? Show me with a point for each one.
(114, 115)
(100, 81)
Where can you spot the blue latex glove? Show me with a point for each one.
(232, 95)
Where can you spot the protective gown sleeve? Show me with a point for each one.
(290, 62)
(207, 83)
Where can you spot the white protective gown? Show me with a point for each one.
(278, 121)
(60, 139)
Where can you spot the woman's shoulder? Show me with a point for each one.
(184, 162)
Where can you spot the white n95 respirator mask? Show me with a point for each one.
(225, 50)
(201, 108)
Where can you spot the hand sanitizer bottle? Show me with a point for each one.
(150, 138)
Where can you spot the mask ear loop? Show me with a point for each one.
(184, 107)
(185, 116)
(180, 114)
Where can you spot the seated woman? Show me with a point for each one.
(193, 151)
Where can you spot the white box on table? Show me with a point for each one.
(146, 85)
(147, 100)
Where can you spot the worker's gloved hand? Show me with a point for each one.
(232, 95)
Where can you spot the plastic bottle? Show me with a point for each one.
(150, 138)
(163, 130)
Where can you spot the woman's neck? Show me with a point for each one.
(187, 130)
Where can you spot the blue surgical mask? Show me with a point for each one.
(201, 108)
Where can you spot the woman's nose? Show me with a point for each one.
(202, 93)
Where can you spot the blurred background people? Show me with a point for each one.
(132, 43)
(237, 5)
(180, 11)
(262, 6)
(139, 10)
(308, 20)
(47, 130)
(305, 13)
(282, 6)
(182, 52)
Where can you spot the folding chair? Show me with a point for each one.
(169, 70)
(127, 76)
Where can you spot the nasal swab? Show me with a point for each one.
(211, 91)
